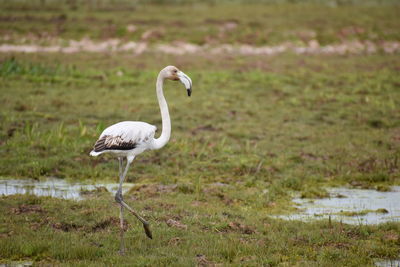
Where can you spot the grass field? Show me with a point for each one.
(254, 24)
(256, 130)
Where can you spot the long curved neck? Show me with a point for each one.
(166, 121)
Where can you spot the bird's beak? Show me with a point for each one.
(186, 81)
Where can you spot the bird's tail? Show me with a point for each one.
(94, 154)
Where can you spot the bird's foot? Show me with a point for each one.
(146, 227)
(118, 197)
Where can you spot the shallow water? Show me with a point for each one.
(388, 263)
(54, 187)
(350, 200)
(17, 264)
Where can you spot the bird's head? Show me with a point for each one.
(173, 73)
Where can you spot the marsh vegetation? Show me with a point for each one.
(257, 130)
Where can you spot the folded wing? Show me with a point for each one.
(125, 136)
(108, 142)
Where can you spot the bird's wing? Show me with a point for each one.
(125, 136)
(108, 142)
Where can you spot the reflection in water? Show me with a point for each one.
(54, 187)
(350, 200)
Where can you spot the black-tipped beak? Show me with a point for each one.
(186, 81)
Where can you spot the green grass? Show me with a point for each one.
(86, 234)
(291, 127)
(255, 131)
(255, 24)
(362, 212)
(298, 126)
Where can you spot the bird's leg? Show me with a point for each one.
(119, 199)
(121, 211)
(118, 195)
(146, 225)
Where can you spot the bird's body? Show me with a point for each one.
(125, 139)
(128, 139)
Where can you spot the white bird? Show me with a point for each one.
(128, 139)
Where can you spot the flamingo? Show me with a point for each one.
(128, 139)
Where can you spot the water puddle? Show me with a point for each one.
(388, 263)
(53, 187)
(17, 264)
(352, 206)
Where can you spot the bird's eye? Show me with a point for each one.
(175, 71)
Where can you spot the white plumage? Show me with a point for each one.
(127, 132)
(128, 139)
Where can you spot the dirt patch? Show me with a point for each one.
(338, 245)
(110, 221)
(66, 227)
(99, 226)
(367, 165)
(372, 164)
(176, 224)
(236, 227)
(154, 189)
(239, 227)
(203, 261)
(207, 127)
(153, 34)
(27, 209)
(99, 190)
(311, 156)
(396, 133)
(175, 241)
(216, 191)
(181, 48)
(30, 19)
(225, 199)
(392, 236)
(221, 22)
(167, 206)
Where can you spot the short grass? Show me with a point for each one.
(290, 124)
(200, 23)
(294, 124)
(255, 131)
(220, 230)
